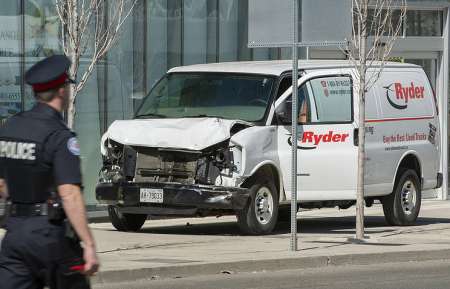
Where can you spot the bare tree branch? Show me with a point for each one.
(87, 35)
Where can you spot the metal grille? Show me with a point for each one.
(173, 167)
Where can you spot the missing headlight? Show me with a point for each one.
(215, 165)
(119, 163)
(110, 174)
(114, 149)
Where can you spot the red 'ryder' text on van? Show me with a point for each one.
(310, 137)
(408, 92)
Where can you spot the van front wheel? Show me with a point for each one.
(402, 207)
(125, 222)
(259, 217)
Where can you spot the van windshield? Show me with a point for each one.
(230, 96)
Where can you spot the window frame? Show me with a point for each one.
(281, 78)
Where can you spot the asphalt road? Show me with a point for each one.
(413, 275)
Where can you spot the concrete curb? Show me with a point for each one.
(268, 265)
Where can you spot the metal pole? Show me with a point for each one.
(22, 48)
(443, 96)
(294, 135)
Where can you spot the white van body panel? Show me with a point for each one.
(259, 148)
(401, 127)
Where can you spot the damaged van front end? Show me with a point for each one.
(186, 152)
(172, 167)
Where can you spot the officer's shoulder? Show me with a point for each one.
(60, 125)
(64, 133)
(14, 117)
(10, 121)
(67, 138)
(41, 121)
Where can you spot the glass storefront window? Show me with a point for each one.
(41, 39)
(424, 23)
(228, 30)
(429, 66)
(197, 31)
(417, 22)
(87, 127)
(42, 28)
(157, 39)
(395, 18)
(10, 81)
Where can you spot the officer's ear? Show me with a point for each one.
(63, 91)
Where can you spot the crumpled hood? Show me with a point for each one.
(180, 133)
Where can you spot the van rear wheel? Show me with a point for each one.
(402, 207)
(259, 217)
(125, 222)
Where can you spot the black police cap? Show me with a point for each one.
(48, 73)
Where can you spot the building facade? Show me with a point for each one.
(161, 34)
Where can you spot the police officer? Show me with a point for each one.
(40, 173)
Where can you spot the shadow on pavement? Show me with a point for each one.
(324, 225)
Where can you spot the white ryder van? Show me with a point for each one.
(216, 138)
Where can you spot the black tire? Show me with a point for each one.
(248, 220)
(125, 222)
(398, 208)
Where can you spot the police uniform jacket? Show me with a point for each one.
(38, 152)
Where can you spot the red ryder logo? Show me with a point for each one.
(403, 94)
(310, 138)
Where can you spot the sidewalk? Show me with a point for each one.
(182, 247)
(186, 247)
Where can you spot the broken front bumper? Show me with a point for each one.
(127, 195)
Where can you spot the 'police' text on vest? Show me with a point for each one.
(17, 150)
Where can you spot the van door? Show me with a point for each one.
(327, 155)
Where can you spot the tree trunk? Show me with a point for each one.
(362, 128)
(73, 29)
(71, 107)
(361, 162)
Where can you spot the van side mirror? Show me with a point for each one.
(284, 112)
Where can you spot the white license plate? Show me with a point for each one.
(151, 195)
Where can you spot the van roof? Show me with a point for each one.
(274, 67)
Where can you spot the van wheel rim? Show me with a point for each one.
(408, 197)
(264, 205)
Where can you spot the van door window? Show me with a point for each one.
(333, 99)
(285, 84)
(303, 107)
